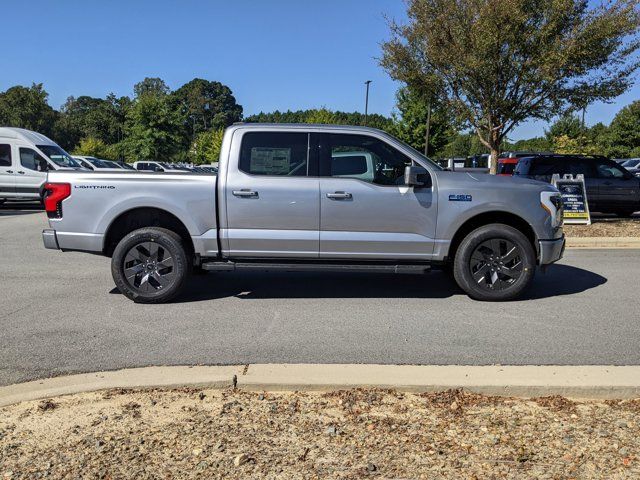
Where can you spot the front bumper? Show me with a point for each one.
(551, 250)
(49, 239)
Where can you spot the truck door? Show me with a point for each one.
(371, 218)
(30, 174)
(272, 197)
(7, 172)
(618, 189)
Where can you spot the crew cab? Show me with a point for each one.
(291, 197)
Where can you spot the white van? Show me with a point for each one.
(25, 158)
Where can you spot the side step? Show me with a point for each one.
(323, 267)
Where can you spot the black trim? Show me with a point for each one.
(27, 189)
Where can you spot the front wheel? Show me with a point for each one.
(150, 265)
(494, 262)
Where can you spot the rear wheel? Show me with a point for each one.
(494, 262)
(625, 213)
(150, 265)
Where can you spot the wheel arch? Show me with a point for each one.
(486, 218)
(140, 217)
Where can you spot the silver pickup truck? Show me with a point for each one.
(317, 197)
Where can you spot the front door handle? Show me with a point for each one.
(245, 193)
(339, 195)
(9, 171)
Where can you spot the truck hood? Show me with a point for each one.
(484, 180)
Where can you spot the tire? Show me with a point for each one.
(483, 250)
(625, 213)
(139, 274)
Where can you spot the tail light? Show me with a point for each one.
(54, 194)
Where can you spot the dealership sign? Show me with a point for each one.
(574, 198)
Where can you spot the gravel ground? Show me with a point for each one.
(190, 433)
(606, 227)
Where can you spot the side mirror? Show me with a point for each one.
(412, 174)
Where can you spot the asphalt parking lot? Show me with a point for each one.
(60, 313)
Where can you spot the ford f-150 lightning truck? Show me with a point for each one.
(312, 197)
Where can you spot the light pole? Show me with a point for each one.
(366, 102)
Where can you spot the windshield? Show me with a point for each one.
(100, 163)
(421, 155)
(111, 164)
(631, 163)
(59, 156)
(126, 166)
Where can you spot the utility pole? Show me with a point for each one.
(426, 135)
(366, 102)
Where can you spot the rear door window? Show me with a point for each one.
(5, 155)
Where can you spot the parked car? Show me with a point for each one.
(97, 164)
(632, 165)
(25, 158)
(149, 166)
(610, 187)
(279, 204)
(507, 161)
(123, 165)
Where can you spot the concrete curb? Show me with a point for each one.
(603, 242)
(595, 382)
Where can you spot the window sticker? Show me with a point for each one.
(270, 161)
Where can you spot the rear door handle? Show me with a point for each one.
(245, 193)
(21, 172)
(339, 195)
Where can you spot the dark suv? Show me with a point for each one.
(610, 188)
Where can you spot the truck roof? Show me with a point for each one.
(305, 126)
(25, 135)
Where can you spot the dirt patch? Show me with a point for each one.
(606, 227)
(191, 433)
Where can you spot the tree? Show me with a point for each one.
(97, 118)
(323, 115)
(502, 62)
(206, 147)
(206, 105)
(568, 125)
(410, 124)
(150, 85)
(27, 108)
(152, 128)
(623, 135)
(94, 147)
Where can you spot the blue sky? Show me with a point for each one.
(273, 54)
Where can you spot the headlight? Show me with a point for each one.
(552, 203)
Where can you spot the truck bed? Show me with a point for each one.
(99, 199)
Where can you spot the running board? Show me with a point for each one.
(324, 267)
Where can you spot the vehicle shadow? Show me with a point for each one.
(13, 209)
(562, 280)
(559, 280)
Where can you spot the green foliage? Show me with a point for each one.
(501, 62)
(410, 123)
(205, 105)
(623, 135)
(581, 144)
(206, 147)
(94, 147)
(27, 108)
(152, 128)
(535, 144)
(152, 85)
(323, 115)
(568, 125)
